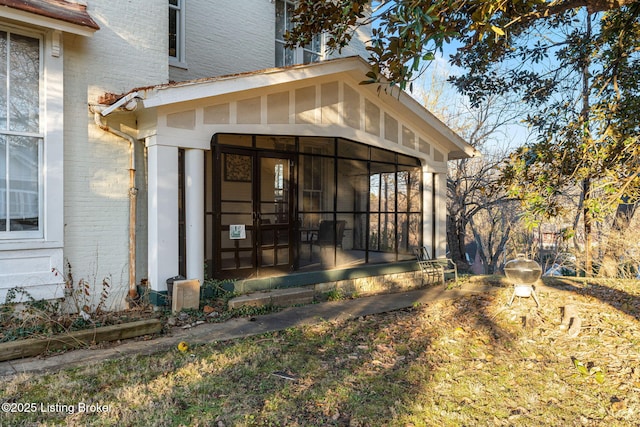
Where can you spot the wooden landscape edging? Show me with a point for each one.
(76, 339)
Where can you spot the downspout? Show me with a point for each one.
(99, 111)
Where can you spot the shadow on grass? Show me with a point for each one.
(597, 288)
(369, 370)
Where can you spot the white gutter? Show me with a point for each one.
(99, 111)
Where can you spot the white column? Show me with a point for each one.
(163, 214)
(427, 210)
(194, 212)
(440, 184)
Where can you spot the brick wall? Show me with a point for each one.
(226, 37)
(129, 50)
(234, 36)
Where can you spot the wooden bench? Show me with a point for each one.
(435, 269)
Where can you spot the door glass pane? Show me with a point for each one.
(240, 208)
(283, 256)
(25, 83)
(274, 190)
(236, 208)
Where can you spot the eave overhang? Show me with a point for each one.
(353, 68)
(59, 15)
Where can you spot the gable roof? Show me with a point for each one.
(351, 69)
(59, 14)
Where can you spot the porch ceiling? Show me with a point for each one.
(309, 94)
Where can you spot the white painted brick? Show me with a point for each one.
(235, 36)
(130, 50)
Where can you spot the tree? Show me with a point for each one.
(407, 33)
(575, 63)
(586, 119)
(473, 184)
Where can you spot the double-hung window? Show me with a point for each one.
(177, 32)
(21, 136)
(311, 52)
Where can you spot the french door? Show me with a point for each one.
(253, 192)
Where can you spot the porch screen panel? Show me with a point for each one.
(409, 202)
(316, 187)
(352, 185)
(274, 209)
(236, 208)
(383, 199)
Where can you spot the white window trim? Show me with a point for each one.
(50, 232)
(180, 59)
(29, 261)
(39, 233)
(298, 52)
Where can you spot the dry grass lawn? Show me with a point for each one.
(466, 362)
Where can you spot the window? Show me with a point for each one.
(21, 137)
(311, 52)
(176, 32)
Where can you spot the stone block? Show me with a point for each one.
(186, 295)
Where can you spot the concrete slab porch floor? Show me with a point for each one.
(244, 327)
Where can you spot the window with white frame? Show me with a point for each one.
(21, 137)
(311, 52)
(177, 32)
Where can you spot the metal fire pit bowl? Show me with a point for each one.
(523, 272)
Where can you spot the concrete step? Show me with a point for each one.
(280, 297)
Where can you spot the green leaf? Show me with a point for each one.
(580, 367)
(599, 376)
(499, 31)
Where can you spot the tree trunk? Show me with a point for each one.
(586, 137)
(617, 241)
(588, 225)
(456, 241)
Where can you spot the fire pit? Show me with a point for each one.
(523, 272)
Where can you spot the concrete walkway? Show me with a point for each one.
(243, 327)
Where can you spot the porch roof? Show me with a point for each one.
(352, 69)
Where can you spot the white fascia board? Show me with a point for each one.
(205, 88)
(46, 22)
(355, 67)
(457, 146)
